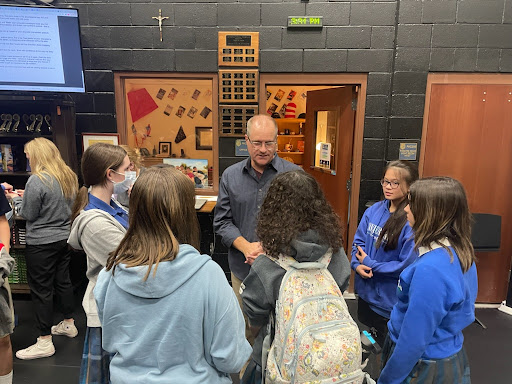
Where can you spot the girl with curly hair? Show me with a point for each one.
(295, 220)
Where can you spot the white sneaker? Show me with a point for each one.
(65, 328)
(43, 348)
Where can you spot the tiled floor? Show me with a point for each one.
(489, 350)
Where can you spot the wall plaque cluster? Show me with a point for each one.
(238, 86)
(233, 118)
(238, 49)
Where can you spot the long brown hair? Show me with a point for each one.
(440, 210)
(294, 204)
(407, 174)
(96, 161)
(46, 160)
(162, 216)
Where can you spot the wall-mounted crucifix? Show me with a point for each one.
(160, 19)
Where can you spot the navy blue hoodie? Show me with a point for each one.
(380, 290)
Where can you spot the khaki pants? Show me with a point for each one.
(235, 283)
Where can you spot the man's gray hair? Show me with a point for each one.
(260, 120)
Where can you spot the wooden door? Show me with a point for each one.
(338, 102)
(469, 137)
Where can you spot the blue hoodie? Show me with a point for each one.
(183, 325)
(380, 290)
(436, 301)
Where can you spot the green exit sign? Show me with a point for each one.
(305, 21)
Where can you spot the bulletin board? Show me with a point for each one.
(170, 117)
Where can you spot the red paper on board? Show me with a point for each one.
(141, 103)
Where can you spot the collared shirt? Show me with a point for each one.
(432, 246)
(241, 193)
(114, 209)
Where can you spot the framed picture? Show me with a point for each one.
(89, 139)
(196, 169)
(164, 148)
(204, 138)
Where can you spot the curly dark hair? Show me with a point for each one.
(294, 204)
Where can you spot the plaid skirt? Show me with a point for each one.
(95, 360)
(451, 370)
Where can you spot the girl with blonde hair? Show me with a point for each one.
(46, 206)
(437, 293)
(99, 224)
(196, 330)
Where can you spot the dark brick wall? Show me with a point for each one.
(396, 42)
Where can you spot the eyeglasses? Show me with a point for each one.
(392, 184)
(259, 144)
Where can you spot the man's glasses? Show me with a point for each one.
(259, 144)
(392, 184)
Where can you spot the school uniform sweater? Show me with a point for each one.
(436, 301)
(97, 233)
(380, 290)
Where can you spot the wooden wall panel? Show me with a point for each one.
(469, 137)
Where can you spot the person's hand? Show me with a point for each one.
(11, 195)
(252, 251)
(360, 254)
(364, 271)
(8, 187)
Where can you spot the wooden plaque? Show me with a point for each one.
(233, 119)
(238, 86)
(239, 49)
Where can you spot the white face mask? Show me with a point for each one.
(123, 186)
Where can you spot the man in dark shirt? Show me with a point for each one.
(242, 190)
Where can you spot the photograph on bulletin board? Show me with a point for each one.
(204, 138)
(195, 169)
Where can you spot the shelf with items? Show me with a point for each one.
(290, 139)
(23, 118)
(18, 277)
(19, 287)
(289, 153)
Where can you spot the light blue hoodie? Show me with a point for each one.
(183, 325)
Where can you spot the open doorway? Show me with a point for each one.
(322, 130)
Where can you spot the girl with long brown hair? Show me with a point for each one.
(168, 313)
(99, 224)
(46, 206)
(437, 293)
(383, 247)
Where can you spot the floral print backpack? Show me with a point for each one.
(316, 340)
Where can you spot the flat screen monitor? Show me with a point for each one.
(40, 50)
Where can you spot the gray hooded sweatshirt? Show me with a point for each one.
(97, 233)
(261, 286)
